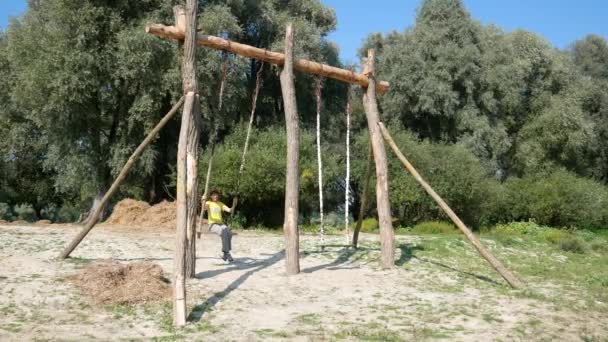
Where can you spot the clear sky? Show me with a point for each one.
(559, 21)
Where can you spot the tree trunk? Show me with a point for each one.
(292, 186)
(186, 180)
(498, 266)
(387, 235)
(118, 181)
(192, 188)
(319, 160)
(364, 195)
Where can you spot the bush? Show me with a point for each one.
(26, 212)
(453, 172)
(238, 221)
(434, 227)
(560, 199)
(50, 212)
(68, 213)
(518, 228)
(573, 245)
(599, 246)
(533, 230)
(5, 212)
(369, 225)
(262, 184)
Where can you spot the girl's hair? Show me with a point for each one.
(215, 192)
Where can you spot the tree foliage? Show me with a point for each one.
(502, 124)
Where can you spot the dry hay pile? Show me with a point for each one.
(110, 282)
(161, 214)
(129, 212)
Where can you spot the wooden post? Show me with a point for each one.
(185, 163)
(271, 57)
(498, 266)
(118, 181)
(192, 187)
(179, 258)
(364, 195)
(292, 186)
(387, 235)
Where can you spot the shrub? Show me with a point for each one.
(452, 170)
(238, 221)
(262, 184)
(50, 212)
(26, 212)
(573, 245)
(334, 219)
(369, 225)
(434, 227)
(599, 246)
(533, 230)
(5, 212)
(68, 213)
(556, 236)
(518, 228)
(560, 199)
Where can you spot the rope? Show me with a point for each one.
(212, 140)
(319, 161)
(349, 111)
(254, 102)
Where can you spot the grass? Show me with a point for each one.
(543, 257)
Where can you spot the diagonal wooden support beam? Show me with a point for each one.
(302, 65)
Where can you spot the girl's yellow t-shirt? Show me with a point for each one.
(215, 212)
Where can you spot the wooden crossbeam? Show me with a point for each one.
(302, 65)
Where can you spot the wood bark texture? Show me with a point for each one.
(192, 187)
(277, 58)
(387, 235)
(179, 258)
(184, 165)
(292, 186)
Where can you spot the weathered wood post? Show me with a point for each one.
(387, 235)
(186, 161)
(120, 179)
(498, 266)
(292, 185)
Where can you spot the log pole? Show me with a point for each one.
(292, 186)
(187, 182)
(302, 65)
(120, 179)
(387, 235)
(496, 264)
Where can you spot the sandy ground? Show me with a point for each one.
(338, 295)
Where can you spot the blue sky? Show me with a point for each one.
(559, 21)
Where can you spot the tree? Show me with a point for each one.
(92, 83)
(591, 56)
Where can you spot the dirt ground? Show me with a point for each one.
(340, 294)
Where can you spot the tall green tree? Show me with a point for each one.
(92, 82)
